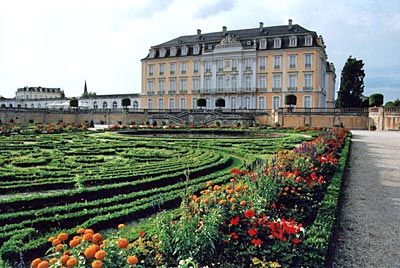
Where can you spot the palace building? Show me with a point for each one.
(248, 69)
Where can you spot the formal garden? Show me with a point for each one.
(131, 197)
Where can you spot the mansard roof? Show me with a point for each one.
(242, 35)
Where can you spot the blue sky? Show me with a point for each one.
(63, 43)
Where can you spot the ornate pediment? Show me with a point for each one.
(229, 41)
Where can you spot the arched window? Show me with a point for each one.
(160, 103)
(261, 103)
(115, 105)
(95, 105)
(247, 103)
(150, 104)
(135, 105)
(105, 105)
(208, 103)
(307, 102)
(233, 103)
(276, 102)
(194, 103)
(171, 103)
(183, 103)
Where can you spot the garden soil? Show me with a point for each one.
(369, 227)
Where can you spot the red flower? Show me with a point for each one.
(235, 220)
(296, 241)
(252, 232)
(234, 235)
(256, 242)
(249, 213)
(141, 234)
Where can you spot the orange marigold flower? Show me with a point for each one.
(232, 200)
(64, 259)
(222, 202)
(87, 237)
(96, 238)
(35, 262)
(97, 264)
(91, 251)
(123, 243)
(101, 254)
(243, 203)
(121, 225)
(80, 231)
(206, 200)
(53, 260)
(228, 187)
(209, 183)
(59, 247)
(102, 246)
(197, 200)
(43, 264)
(51, 238)
(88, 231)
(132, 260)
(56, 242)
(72, 262)
(62, 236)
(74, 242)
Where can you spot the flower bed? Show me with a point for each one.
(271, 214)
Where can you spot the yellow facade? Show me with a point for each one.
(249, 69)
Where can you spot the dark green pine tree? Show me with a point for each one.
(351, 84)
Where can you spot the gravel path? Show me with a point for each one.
(369, 228)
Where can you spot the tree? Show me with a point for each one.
(126, 102)
(220, 102)
(201, 102)
(74, 103)
(375, 100)
(351, 84)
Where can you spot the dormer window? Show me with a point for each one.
(172, 51)
(293, 41)
(184, 51)
(162, 52)
(277, 43)
(152, 53)
(308, 40)
(263, 44)
(196, 49)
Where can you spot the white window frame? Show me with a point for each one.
(247, 63)
(276, 102)
(161, 103)
(195, 83)
(150, 104)
(195, 67)
(183, 67)
(293, 41)
(307, 101)
(234, 64)
(171, 103)
(277, 62)
(262, 81)
(277, 42)
(277, 81)
(161, 86)
(308, 40)
(183, 84)
(172, 85)
(261, 102)
(208, 66)
(308, 60)
(308, 81)
(263, 44)
(233, 103)
(172, 68)
(292, 81)
(263, 63)
(161, 68)
(183, 103)
(293, 61)
(151, 70)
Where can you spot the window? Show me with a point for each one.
(135, 105)
(307, 60)
(161, 68)
(194, 103)
(261, 102)
(172, 68)
(220, 83)
(195, 84)
(163, 51)
(150, 87)
(247, 64)
(195, 67)
(172, 86)
(292, 61)
(183, 85)
(292, 82)
(208, 66)
(262, 82)
(160, 103)
(171, 103)
(172, 51)
(151, 70)
(233, 103)
(208, 83)
(196, 49)
(234, 65)
(308, 81)
(115, 105)
(220, 64)
(184, 51)
(152, 53)
(247, 104)
(276, 82)
(262, 63)
(247, 83)
(293, 41)
(308, 40)
(234, 83)
(276, 102)
(208, 103)
(150, 104)
(277, 43)
(95, 105)
(183, 103)
(161, 86)
(263, 44)
(307, 102)
(105, 105)
(183, 67)
(277, 62)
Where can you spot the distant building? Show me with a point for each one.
(248, 68)
(34, 93)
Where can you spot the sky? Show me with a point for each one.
(62, 44)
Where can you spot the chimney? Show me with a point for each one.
(290, 24)
(198, 32)
(224, 30)
(261, 26)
